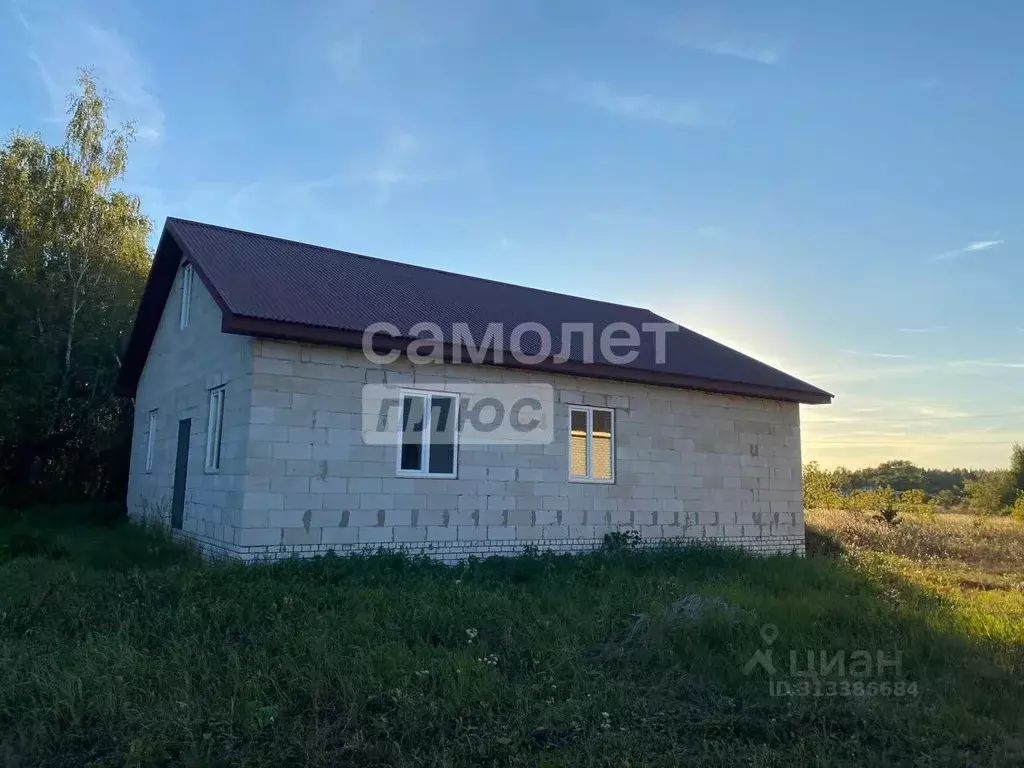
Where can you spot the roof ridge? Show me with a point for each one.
(413, 266)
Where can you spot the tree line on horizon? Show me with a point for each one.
(903, 484)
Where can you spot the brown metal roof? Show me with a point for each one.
(277, 288)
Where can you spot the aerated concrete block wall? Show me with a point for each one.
(184, 364)
(296, 477)
(689, 465)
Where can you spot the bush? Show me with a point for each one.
(1017, 511)
(821, 488)
(874, 500)
(888, 507)
(619, 541)
(913, 501)
(948, 498)
(991, 493)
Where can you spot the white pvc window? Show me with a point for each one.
(591, 445)
(186, 296)
(214, 429)
(151, 441)
(428, 435)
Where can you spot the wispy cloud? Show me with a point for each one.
(60, 43)
(984, 364)
(813, 417)
(370, 50)
(741, 49)
(883, 355)
(929, 431)
(122, 73)
(637, 106)
(709, 33)
(964, 432)
(943, 412)
(933, 329)
(974, 247)
(982, 245)
(862, 374)
(899, 414)
(394, 165)
(855, 433)
(406, 160)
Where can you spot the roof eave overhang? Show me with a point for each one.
(154, 297)
(296, 332)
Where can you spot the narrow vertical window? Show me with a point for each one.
(151, 441)
(413, 419)
(578, 443)
(428, 434)
(214, 428)
(186, 295)
(441, 438)
(592, 445)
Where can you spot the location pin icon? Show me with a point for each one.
(769, 633)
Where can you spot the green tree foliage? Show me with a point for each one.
(913, 500)
(1017, 511)
(821, 487)
(949, 498)
(73, 261)
(1017, 466)
(991, 492)
(903, 486)
(902, 475)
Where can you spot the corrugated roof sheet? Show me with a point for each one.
(267, 278)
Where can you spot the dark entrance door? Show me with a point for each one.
(180, 471)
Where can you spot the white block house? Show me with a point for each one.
(254, 437)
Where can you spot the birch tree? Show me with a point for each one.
(73, 260)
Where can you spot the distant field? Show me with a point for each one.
(117, 648)
(988, 552)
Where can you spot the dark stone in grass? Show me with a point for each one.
(641, 622)
(695, 607)
(692, 607)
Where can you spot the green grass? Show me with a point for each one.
(117, 648)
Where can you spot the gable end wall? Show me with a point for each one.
(182, 367)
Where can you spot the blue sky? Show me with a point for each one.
(833, 187)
